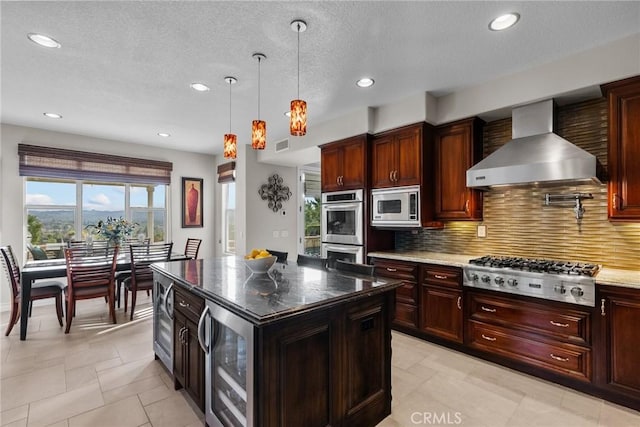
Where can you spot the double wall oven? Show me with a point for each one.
(342, 226)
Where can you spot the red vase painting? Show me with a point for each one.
(191, 202)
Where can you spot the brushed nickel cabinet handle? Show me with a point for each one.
(391, 176)
(558, 358)
(395, 175)
(466, 206)
(488, 338)
(392, 269)
(562, 325)
(459, 303)
(441, 277)
(341, 180)
(183, 304)
(338, 180)
(615, 201)
(602, 311)
(490, 310)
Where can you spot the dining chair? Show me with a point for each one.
(121, 276)
(90, 276)
(312, 261)
(39, 290)
(352, 267)
(192, 248)
(282, 256)
(142, 256)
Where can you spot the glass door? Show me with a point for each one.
(309, 212)
(163, 322)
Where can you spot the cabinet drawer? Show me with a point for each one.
(188, 304)
(567, 325)
(561, 358)
(406, 315)
(397, 270)
(407, 293)
(441, 276)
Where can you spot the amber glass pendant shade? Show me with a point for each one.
(258, 134)
(298, 119)
(230, 146)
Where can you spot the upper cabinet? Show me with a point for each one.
(457, 147)
(397, 156)
(344, 164)
(624, 149)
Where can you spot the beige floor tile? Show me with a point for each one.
(534, 412)
(612, 415)
(15, 414)
(65, 405)
(404, 382)
(132, 389)
(136, 351)
(127, 373)
(107, 364)
(582, 404)
(95, 354)
(35, 385)
(80, 377)
(17, 423)
(171, 412)
(63, 423)
(155, 394)
(124, 413)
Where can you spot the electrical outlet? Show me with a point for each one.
(482, 231)
(276, 234)
(284, 233)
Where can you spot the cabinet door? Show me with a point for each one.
(383, 162)
(456, 150)
(624, 150)
(621, 315)
(353, 161)
(409, 155)
(179, 353)
(331, 167)
(442, 312)
(195, 365)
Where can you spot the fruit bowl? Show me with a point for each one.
(261, 265)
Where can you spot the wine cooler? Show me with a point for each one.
(228, 343)
(163, 320)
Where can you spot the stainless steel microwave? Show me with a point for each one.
(396, 207)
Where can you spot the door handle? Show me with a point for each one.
(392, 269)
(395, 176)
(166, 301)
(602, 302)
(341, 180)
(391, 176)
(490, 310)
(561, 325)
(441, 277)
(183, 304)
(488, 338)
(459, 303)
(466, 206)
(614, 201)
(558, 358)
(201, 327)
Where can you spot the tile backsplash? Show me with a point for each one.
(519, 224)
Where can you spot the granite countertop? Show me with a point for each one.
(606, 276)
(286, 290)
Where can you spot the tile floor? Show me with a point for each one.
(105, 375)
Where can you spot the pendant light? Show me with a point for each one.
(259, 127)
(230, 140)
(298, 118)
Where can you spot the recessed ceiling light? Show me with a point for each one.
(53, 115)
(43, 40)
(287, 113)
(365, 82)
(200, 87)
(164, 134)
(505, 21)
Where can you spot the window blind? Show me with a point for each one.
(49, 162)
(227, 172)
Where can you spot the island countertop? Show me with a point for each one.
(287, 290)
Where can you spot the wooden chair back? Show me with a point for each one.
(11, 269)
(192, 248)
(312, 261)
(86, 269)
(142, 256)
(352, 267)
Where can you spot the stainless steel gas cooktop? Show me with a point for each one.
(565, 281)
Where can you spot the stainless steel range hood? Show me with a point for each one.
(535, 155)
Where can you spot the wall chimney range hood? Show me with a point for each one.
(535, 155)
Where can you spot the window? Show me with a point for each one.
(60, 210)
(229, 218)
(310, 211)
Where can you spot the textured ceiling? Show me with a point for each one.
(124, 68)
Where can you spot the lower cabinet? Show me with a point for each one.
(552, 338)
(441, 308)
(406, 310)
(188, 357)
(619, 360)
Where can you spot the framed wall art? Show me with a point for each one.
(191, 202)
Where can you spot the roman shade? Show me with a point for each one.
(227, 172)
(49, 162)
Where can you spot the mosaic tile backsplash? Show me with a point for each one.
(519, 224)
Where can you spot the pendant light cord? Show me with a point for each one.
(230, 83)
(259, 59)
(298, 60)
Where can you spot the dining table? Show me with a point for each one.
(52, 268)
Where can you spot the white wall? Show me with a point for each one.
(185, 164)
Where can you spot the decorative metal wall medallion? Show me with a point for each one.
(275, 192)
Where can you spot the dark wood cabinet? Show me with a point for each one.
(397, 157)
(624, 149)
(331, 369)
(188, 357)
(441, 308)
(619, 356)
(547, 336)
(406, 308)
(457, 147)
(344, 164)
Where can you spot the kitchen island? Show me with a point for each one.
(298, 346)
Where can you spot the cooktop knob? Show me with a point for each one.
(512, 282)
(577, 292)
(486, 278)
(499, 281)
(560, 289)
(474, 277)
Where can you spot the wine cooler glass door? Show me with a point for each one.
(229, 370)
